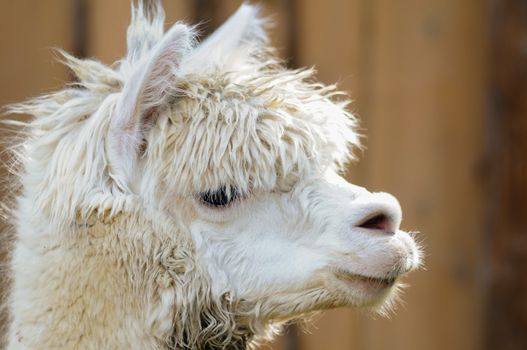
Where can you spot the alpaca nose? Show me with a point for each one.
(379, 212)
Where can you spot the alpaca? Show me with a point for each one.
(188, 197)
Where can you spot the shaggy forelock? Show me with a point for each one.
(252, 132)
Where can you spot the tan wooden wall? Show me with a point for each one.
(420, 73)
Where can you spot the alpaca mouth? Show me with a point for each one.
(377, 282)
(368, 281)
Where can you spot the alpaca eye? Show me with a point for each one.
(220, 197)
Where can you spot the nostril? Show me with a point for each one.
(377, 222)
(377, 212)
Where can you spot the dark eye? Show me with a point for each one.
(221, 197)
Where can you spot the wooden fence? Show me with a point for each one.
(441, 88)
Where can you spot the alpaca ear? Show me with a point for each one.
(143, 94)
(232, 42)
(145, 30)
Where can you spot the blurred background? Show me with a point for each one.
(441, 89)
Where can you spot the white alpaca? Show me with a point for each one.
(187, 198)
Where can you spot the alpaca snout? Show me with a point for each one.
(378, 212)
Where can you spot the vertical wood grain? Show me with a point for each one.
(28, 32)
(507, 317)
(427, 120)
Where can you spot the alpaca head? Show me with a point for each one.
(239, 152)
(244, 153)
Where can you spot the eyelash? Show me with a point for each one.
(219, 198)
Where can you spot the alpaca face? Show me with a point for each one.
(272, 222)
(325, 243)
(244, 154)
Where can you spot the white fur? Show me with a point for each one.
(114, 248)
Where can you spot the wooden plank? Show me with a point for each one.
(427, 119)
(28, 32)
(507, 304)
(422, 98)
